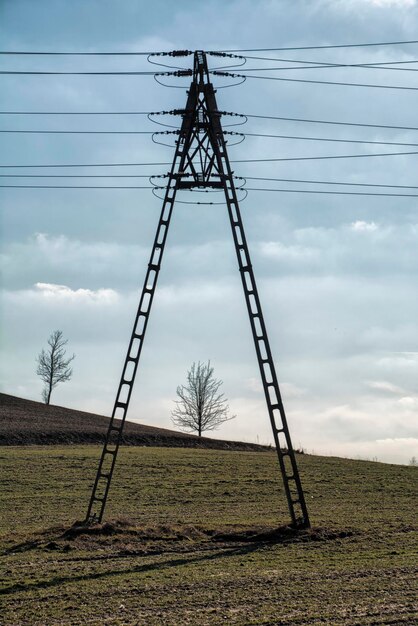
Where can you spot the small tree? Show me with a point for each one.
(53, 367)
(200, 407)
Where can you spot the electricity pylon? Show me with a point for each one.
(201, 161)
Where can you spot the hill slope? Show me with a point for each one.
(25, 422)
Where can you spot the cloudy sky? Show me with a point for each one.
(337, 274)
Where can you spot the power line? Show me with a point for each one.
(151, 132)
(319, 66)
(326, 182)
(361, 141)
(188, 52)
(336, 193)
(319, 158)
(41, 53)
(314, 82)
(89, 165)
(302, 191)
(86, 132)
(48, 73)
(81, 112)
(349, 45)
(333, 122)
(214, 72)
(266, 117)
(281, 159)
(244, 178)
(329, 64)
(307, 65)
(78, 187)
(83, 175)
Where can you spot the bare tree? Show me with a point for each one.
(200, 407)
(53, 367)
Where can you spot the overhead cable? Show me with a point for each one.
(300, 191)
(305, 64)
(333, 122)
(313, 82)
(52, 73)
(188, 52)
(319, 158)
(320, 66)
(325, 182)
(249, 115)
(173, 53)
(327, 139)
(213, 72)
(89, 165)
(150, 132)
(85, 132)
(336, 193)
(271, 160)
(80, 113)
(83, 176)
(241, 178)
(323, 47)
(78, 187)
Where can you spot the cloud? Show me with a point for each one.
(381, 385)
(53, 295)
(358, 248)
(409, 402)
(360, 225)
(391, 3)
(295, 254)
(387, 450)
(63, 293)
(48, 258)
(255, 385)
(372, 5)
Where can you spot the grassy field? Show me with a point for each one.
(191, 541)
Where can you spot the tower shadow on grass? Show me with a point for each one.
(220, 553)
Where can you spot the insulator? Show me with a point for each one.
(182, 73)
(180, 53)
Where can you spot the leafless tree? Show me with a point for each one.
(53, 367)
(200, 407)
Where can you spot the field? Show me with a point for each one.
(193, 538)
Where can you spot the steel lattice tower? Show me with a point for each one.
(201, 161)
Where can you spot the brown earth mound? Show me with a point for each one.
(25, 422)
(124, 537)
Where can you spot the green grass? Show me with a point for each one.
(167, 562)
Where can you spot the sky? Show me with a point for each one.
(337, 274)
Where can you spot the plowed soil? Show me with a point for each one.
(25, 422)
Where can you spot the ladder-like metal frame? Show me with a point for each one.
(202, 143)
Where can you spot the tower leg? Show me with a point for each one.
(285, 452)
(113, 438)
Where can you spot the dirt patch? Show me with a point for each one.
(123, 537)
(123, 530)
